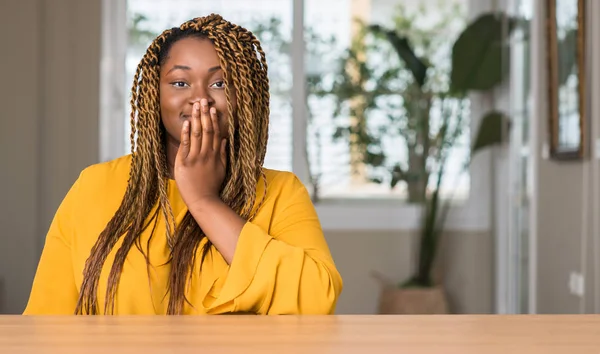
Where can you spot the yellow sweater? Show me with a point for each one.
(282, 263)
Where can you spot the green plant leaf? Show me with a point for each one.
(397, 175)
(374, 158)
(341, 132)
(477, 54)
(491, 131)
(376, 179)
(402, 46)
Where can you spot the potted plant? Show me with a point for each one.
(427, 112)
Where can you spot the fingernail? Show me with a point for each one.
(204, 102)
(196, 106)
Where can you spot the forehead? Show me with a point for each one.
(192, 52)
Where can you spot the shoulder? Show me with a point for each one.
(93, 198)
(285, 182)
(286, 202)
(283, 189)
(105, 180)
(107, 171)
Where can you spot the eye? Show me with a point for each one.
(219, 84)
(179, 84)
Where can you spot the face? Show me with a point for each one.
(190, 73)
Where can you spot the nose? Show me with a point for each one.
(198, 93)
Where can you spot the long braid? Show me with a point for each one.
(133, 102)
(245, 126)
(146, 197)
(260, 103)
(139, 198)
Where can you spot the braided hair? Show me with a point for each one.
(146, 197)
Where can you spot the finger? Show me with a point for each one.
(207, 130)
(184, 145)
(224, 152)
(216, 128)
(196, 135)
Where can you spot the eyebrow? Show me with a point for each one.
(187, 68)
(179, 67)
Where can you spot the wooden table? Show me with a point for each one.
(308, 334)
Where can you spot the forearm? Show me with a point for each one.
(221, 225)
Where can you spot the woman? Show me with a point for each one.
(190, 222)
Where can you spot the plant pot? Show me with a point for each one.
(413, 301)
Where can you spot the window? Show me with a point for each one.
(362, 135)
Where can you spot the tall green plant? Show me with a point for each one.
(409, 92)
(477, 65)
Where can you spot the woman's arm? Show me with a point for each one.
(286, 271)
(221, 225)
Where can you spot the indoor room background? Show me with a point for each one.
(519, 189)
